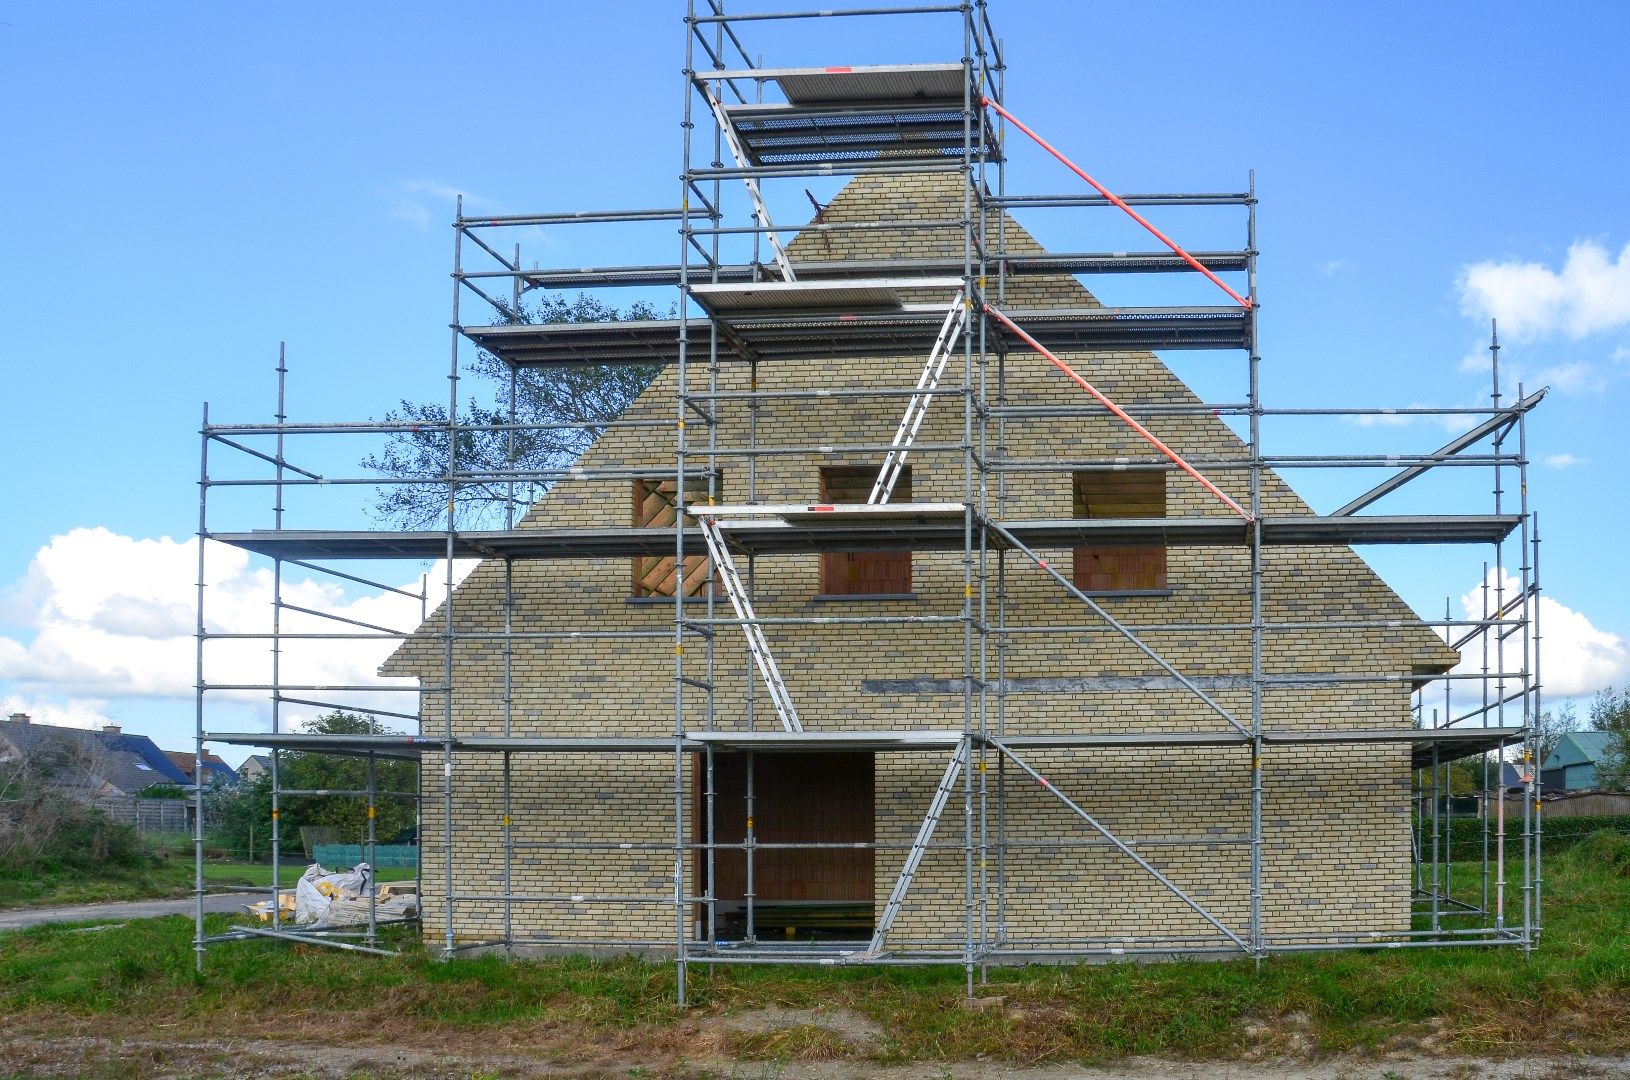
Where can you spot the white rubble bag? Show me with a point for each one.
(317, 889)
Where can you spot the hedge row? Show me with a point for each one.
(1464, 836)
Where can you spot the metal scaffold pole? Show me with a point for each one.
(198, 697)
(969, 187)
(450, 626)
(681, 408)
(1255, 525)
(277, 645)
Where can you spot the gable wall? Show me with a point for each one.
(1337, 850)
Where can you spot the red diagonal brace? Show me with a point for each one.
(1149, 436)
(1120, 202)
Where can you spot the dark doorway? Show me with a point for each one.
(797, 799)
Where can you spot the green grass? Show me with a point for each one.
(1572, 996)
(167, 876)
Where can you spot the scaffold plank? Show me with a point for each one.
(772, 530)
(839, 295)
(1085, 262)
(909, 331)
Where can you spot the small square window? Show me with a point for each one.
(1120, 493)
(863, 573)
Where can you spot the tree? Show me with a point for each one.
(1610, 712)
(1551, 726)
(240, 818)
(582, 395)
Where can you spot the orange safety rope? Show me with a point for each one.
(1150, 436)
(1120, 202)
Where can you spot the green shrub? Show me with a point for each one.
(44, 829)
(1461, 840)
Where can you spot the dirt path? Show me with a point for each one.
(18, 918)
(62, 1047)
(263, 1060)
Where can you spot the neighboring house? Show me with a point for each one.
(216, 771)
(1511, 778)
(1336, 854)
(254, 767)
(1572, 764)
(104, 762)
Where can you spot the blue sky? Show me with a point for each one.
(187, 185)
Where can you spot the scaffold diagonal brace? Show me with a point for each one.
(1103, 399)
(1494, 425)
(1118, 202)
(1120, 845)
(1114, 624)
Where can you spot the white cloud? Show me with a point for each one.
(1565, 461)
(1575, 378)
(425, 203)
(111, 616)
(1451, 421)
(72, 712)
(1337, 267)
(1454, 423)
(1589, 294)
(1577, 657)
(1570, 377)
(1384, 419)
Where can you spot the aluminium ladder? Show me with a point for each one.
(919, 846)
(760, 211)
(917, 407)
(736, 590)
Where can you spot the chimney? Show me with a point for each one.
(112, 729)
(19, 718)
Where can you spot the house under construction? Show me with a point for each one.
(916, 611)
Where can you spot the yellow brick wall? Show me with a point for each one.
(1336, 846)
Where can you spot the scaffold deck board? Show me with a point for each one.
(392, 746)
(837, 135)
(856, 85)
(796, 335)
(893, 527)
(1447, 744)
(830, 295)
(1084, 262)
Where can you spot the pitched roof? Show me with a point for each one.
(130, 763)
(1578, 748)
(213, 765)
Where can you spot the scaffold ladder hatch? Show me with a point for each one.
(917, 407)
(760, 211)
(736, 590)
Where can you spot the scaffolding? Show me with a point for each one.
(745, 300)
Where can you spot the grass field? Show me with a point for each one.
(166, 877)
(1572, 996)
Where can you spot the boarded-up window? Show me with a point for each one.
(654, 574)
(863, 573)
(1120, 493)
